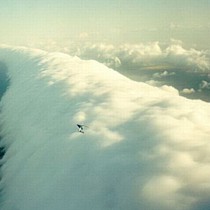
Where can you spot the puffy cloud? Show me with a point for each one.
(193, 59)
(147, 55)
(132, 54)
(144, 148)
(171, 65)
(163, 74)
(204, 85)
(140, 55)
(164, 64)
(188, 91)
(162, 187)
(170, 89)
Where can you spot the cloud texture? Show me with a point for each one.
(144, 148)
(141, 55)
(155, 63)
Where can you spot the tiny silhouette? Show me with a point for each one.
(81, 128)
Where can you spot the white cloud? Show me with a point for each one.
(144, 148)
(188, 90)
(204, 85)
(193, 59)
(150, 55)
(163, 74)
(163, 188)
(149, 62)
(170, 89)
(146, 55)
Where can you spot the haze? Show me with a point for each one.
(25, 21)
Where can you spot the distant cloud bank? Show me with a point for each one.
(154, 63)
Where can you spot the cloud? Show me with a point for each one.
(4, 80)
(170, 89)
(193, 59)
(162, 64)
(171, 64)
(148, 55)
(142, 55)
(145, 147)
(188, 91)
(163, 74)
(204, 85)
(169, 187)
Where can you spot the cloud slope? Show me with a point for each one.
(155, 63)
(144, 148)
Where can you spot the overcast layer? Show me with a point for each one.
(144, 148)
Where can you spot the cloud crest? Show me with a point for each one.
(156, 63)
(144, 147)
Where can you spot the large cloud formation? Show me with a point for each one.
(144, 148)
(155, 63)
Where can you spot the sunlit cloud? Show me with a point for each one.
(205, 85)
(155, 63)
(188, 91)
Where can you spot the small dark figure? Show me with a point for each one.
(81, 128)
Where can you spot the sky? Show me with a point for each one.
(133, 21)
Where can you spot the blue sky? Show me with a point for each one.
(114, 21)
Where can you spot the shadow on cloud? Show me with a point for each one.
(4, 84)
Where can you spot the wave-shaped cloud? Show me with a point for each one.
(144, 148)
(155, 63)
(142, 55)
(145, 55)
